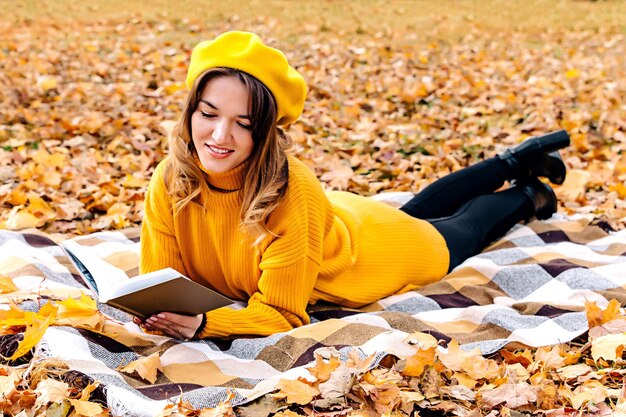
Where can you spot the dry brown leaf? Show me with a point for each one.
(611, 327)
(86, 408)
(609, 347)
(50, 391)
(472, 362)
(339, 382)
(573, 371)
(513, 395)
(550, 357)
(590, 391)
(145, 367)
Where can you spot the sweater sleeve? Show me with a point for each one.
(159, 248)
(289, 268)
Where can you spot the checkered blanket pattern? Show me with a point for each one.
(528, 288)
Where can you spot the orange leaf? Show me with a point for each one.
(322, 369)
(597, 317)
(296, 391)
(415, 364)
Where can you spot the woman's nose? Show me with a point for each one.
(220, 132)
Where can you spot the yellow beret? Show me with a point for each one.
(246, 52)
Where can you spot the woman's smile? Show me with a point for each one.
(219, 153)
(220, 125)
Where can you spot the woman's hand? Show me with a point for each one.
(172, 324)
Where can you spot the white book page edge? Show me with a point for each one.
(108, 277)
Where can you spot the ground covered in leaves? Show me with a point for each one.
(85, 108)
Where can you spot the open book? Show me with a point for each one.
(143, 295)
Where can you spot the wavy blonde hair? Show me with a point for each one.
(267, 172)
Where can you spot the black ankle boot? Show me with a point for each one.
(541, 195)
(538, 157)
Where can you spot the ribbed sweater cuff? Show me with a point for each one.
(228, 322)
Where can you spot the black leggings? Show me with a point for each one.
(466, 210)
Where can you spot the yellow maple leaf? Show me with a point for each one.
(7, 285)
(36, 326)
(296, 391)
(146, 367)
(82, 312)
(14, 316)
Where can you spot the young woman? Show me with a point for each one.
(232, 210)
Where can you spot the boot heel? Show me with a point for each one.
(552, 141)
(542, 197)
(538, 157)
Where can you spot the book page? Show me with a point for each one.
(143, 281)
(106, 276)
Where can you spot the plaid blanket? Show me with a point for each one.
(528, 288)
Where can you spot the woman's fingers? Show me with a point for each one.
(175, 325)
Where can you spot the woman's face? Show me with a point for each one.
(220, 125)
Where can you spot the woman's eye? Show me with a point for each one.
(244, 126)
(207, 115)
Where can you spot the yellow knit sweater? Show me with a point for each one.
(335, 246)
